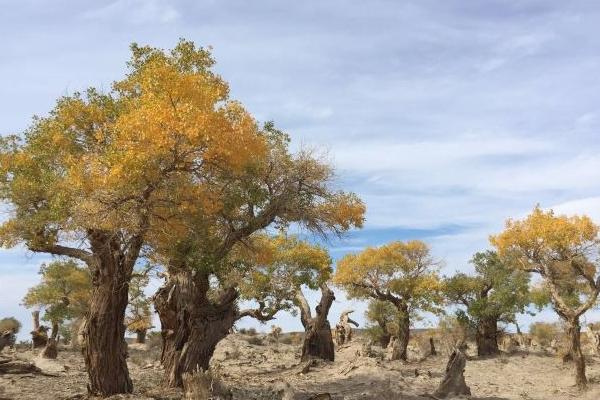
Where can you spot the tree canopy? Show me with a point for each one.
(398, 272)
(495, 291)
(64, 291)
(563, 250)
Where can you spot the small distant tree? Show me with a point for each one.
(563, 251)
(282, 267)
(383, 321)
(10, 324)
(64, 294)
(401, 273)
(139, 315)
(495, 293)
(544, 332)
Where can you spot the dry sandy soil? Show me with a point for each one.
(254, 371)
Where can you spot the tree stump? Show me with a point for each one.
(50, 350)
(343, 330)
(39, 334)
(454, 379)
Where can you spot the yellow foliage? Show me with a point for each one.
(404, 270)
(107, 161)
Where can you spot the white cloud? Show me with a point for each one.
(589, 206)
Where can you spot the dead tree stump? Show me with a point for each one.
(51, 348)
(343, 330)
(39, 334)
(454, 379)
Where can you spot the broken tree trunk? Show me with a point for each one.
(454, 383)
(343, 330)
(140, 336)
(51, 348)
(39, 335)
(486, 337)
(318, 342)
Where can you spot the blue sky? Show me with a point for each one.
(446, 117)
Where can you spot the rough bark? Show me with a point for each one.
(453, 383)
(486, 337)
(104, 347)
(574, 334)
(51, 349)
(140, 336)
(318, 341)
(191, 324)
(400, 345)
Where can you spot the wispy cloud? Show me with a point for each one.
(135, 12)
(445, 117)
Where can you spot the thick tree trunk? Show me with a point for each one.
(51, 349)
(318, 341)
(486, 337)
(140, 336)
(574, 333)
(400, 348)
(104, 347)
(191, 325)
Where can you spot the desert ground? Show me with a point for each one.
(258, 367)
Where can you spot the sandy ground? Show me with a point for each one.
(260, 372)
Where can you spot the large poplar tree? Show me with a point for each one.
(101, 172)
(401, 273)
(563, 251)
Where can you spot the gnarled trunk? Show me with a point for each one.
(400, 346)
(318, 341)
(574, 334)
(104, 347)
(486, 337)
(140, 336)
(191, 325)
